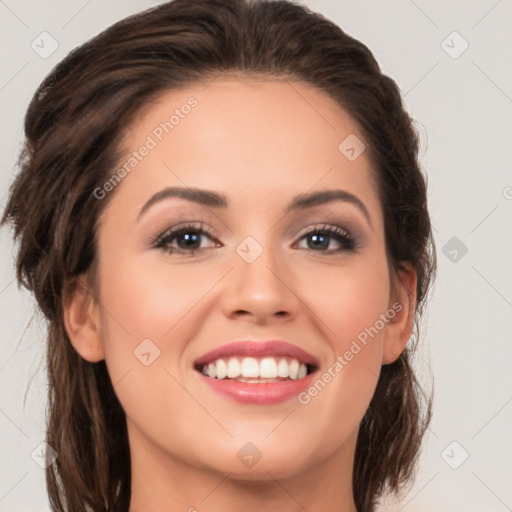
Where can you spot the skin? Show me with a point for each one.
(259, 142)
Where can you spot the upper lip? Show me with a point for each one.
(250, 348)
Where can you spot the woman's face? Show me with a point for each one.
(246, 267)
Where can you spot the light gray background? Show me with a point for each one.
(463, 107)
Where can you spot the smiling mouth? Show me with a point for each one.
(256, 370)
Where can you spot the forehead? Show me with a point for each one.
(293, 116)
(249, 138)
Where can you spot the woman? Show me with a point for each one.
(221, 214)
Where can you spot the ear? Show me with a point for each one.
(81, 319)
(403, 302)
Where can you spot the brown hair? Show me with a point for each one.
(74, 128)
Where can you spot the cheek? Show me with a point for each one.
(145, 310)
(157, 302)
(347, 299)
(350, 303)
(350, 309)
(152, 300)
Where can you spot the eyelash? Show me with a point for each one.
(347, 241)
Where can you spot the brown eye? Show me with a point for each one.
(185, 240)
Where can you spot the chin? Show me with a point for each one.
(252, 464)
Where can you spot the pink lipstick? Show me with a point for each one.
(257, 372)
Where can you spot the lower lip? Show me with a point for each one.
(258, 393)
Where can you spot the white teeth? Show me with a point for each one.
(294, 369)
(251, 369)
(282, 368)
(268, 368)
(222, 369)
(233, 368)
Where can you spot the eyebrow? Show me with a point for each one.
(216, 200)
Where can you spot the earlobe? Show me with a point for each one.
(81, 320)
(403, 303)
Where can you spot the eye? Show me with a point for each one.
(321, 238)
(187, 240)
(183, 240)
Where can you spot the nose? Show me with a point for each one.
(261, 291)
